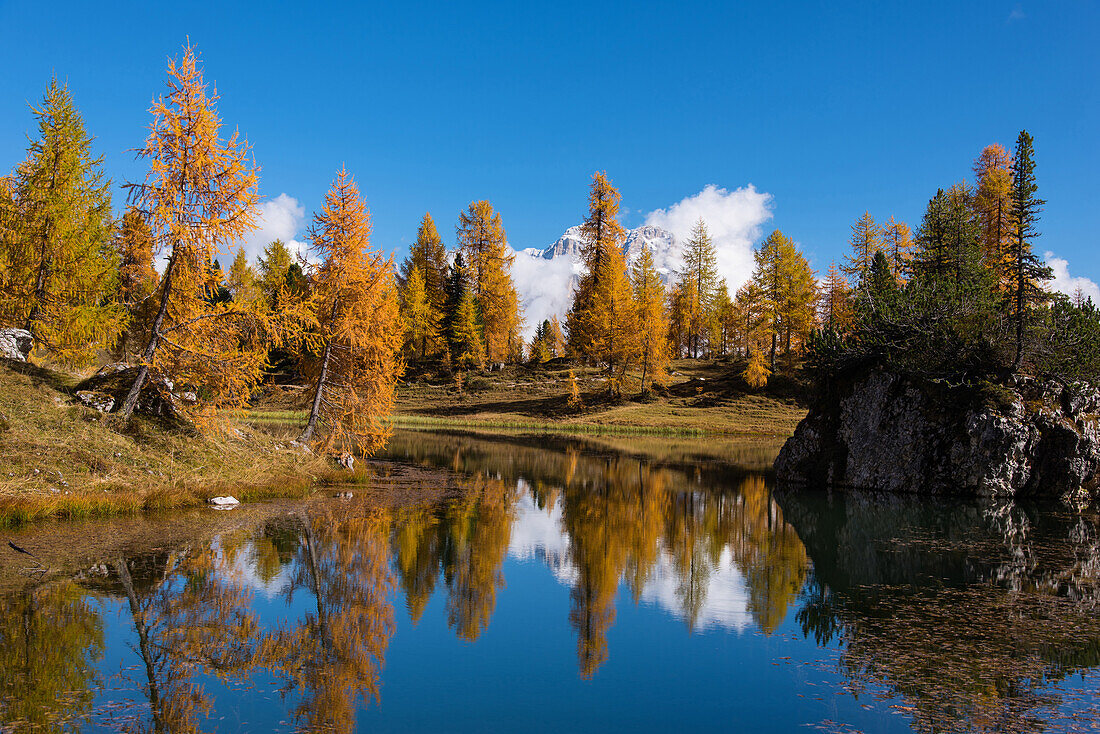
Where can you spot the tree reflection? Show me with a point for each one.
(190, 615)
(479, 527)
(332, 658)
(624, 519)
(50, 638)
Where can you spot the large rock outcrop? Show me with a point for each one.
(885, 431)
(107, 390)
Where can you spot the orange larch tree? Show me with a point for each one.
(865, 241)
(359, 332)
(602, 234)
(898, 243)
(58, 267)
(649, 299)
(198, 198)
(993, 202)
(489, 260)
(836, 301)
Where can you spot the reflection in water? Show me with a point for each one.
(971, 614)
(332, 657)
(963, 617)
(49, 637)
(189, 616)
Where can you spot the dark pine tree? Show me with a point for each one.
(1028, 272)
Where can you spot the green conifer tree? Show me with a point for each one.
(58, 264)
(1027, 271)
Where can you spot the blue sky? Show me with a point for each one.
(830, 108)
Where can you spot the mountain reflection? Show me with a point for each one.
(963, 616)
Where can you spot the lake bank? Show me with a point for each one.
(60, 458)
(701, 398)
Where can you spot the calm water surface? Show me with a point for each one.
(554, 584)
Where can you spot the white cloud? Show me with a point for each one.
(733, 218)
(280, 219)
(1017, 13)
(1069, 284)
(545, 287)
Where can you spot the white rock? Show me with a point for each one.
(98, 400)
(224, 503)
(15, 344)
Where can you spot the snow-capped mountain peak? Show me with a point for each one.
(663, 244)
(546, 278)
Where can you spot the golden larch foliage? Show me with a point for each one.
(489, 259)
(756, 374)
(993, 203)
(836, 300)
(58, 264)
(649, 299)
(575, 402)
(614, 320)
(865, 241)
(750, 319)
(242, 281)
(198, 198)
(421, 319)
(359, 330)
(699, 284)
(602, 234)
(897, 242)
(788, 293)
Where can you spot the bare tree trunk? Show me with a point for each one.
(154, 341)
(315, 409)
(39, 292)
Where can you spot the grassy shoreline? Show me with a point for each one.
(413, 421)
(701, 398)
(61, 459)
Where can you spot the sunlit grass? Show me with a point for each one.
(291, 418)
(63, 460)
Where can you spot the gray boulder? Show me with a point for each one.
(107, 390)
(15, 344)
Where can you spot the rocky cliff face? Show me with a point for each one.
(888, 432)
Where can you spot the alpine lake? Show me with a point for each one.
(553, 583)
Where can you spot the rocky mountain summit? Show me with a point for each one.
(886, 431)
(666, 248)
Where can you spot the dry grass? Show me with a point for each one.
(61, 459)
(702, 397)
